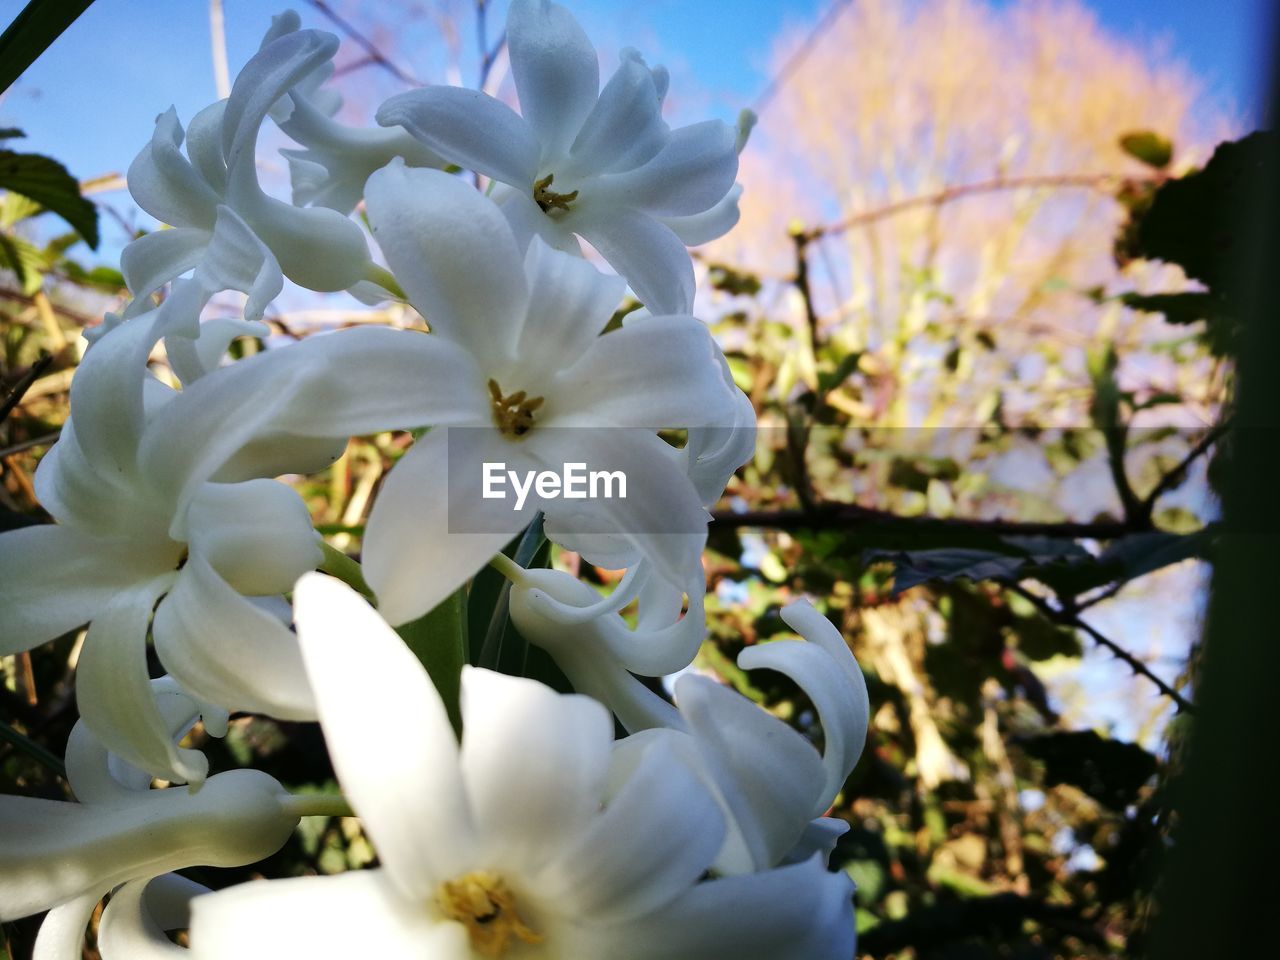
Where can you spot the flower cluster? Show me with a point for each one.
(510, 821)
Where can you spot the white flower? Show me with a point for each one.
(226, 229)
(531, 839)
(337, 160)
(57, 853)
(600, 164)
(773, 785)
(539, 386)
(183, 522)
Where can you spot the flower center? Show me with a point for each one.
(483, 903)
(513, 414)
(547, 200)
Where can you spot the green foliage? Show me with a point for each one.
(1109, 771)
(38, 25)
(1151, 148)
(47, 183)
(439, 640)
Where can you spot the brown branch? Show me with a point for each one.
(367, 45)
(1086, 181)
(1069, 619)
(847, 516)
(81, 318)
(24, 384)
(1178, 473)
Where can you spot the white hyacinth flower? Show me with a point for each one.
(65, 855)
(226, 230)
(149, 510)
(539, 386)
(533, 838)
(584, 161)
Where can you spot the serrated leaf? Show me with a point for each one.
(1149, 147)
(39, 24)
(26, 261)
(48, 183)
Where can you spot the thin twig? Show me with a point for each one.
(369, 47)
(1087, 181)
(832, 516)
(799, 56)
(1068, 619)
(1176, 475)
(218, 45)
(28, 444)
(24, 384)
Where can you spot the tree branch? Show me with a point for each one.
(24, 384)
(1178, 473)
(1068, 618)
(375, 54)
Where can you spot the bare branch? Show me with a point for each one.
(368, 46)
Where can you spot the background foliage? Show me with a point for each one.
(988, 325)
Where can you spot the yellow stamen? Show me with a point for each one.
(548, 201)
(513, 414)
(483, 903)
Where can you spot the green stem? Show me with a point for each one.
(316, 805)
(348, 570)
(384, 278)
(31, 749)
(439, 641)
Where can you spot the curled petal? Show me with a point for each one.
(256, 534)
(134, 924)
(237, 260)
(165, 184)
(154, 259)
(625, 128)
(192, 359)
(699, 228)
(227, 650)
(825, 669)
(113, 690)
(61, 935)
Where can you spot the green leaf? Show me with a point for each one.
(504, 649)
(1151, 148)
(439, 641)
(31, 749)
(25, 260)
(39, 24)
(47, 182)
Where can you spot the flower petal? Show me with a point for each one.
(351, 914)
(767, 773)
(52, 851)
(645, 252)
(709, 225)
(165, 184)
(455, 255)
(154, 259)
(407, 788)
(113, 690)
(570, 303)
(691, 174)
(555, 70)
(411, 559)
(625, 128)
(256, 534)
(825, 669)
(54, 579)
(798, 912)
(654, 373)
(228, 651)
(237, 260)
(133, 924)
(525, 740)
(656, 836)
(61, 935)
(192, 359)
(468, 128)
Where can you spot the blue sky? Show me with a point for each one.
(92, 98)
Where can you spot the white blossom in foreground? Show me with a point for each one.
(539, 386)
(531, 839)
(65, 855)
(582, 161)
(226, 231)
(190, 526)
